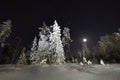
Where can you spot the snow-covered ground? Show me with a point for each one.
(60, 72)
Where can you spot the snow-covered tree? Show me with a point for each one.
(34, 44)
(40, 46)
(22, 59)
(34, 58)
(33, 50)
(66, 40)
(43, 43)
(5, 30)
(56, 46)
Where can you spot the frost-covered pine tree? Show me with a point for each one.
(22, 59)
(33, 51)
(43, 43)
(66, 40)
(41, 46)
(34, 44)
(56, 46)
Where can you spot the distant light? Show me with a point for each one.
(84, 40)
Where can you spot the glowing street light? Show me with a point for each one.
(84, 40)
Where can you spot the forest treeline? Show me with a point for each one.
(53, 45)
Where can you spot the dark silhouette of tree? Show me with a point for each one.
(109, 48)
(7, 54)
(5, 30)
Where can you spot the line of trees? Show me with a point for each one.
(52, 45)
(108, 48)
(47, 45)
(9, 52)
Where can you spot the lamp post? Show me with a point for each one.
(84, 46)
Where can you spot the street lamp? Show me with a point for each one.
(84, 40)
(84, 47)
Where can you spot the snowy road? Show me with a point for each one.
(62, 72)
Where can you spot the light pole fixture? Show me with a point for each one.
(84, 40)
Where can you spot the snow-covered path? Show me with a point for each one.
(61, 72)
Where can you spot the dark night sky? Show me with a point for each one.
(84, 17)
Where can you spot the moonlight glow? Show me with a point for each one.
(84, 40)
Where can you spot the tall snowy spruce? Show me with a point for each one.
(66, 40)
(56, 46)
(40, 46)
(43, 42)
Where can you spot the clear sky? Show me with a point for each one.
(90, 18)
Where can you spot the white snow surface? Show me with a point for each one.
(60, 72)
(89, 62)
